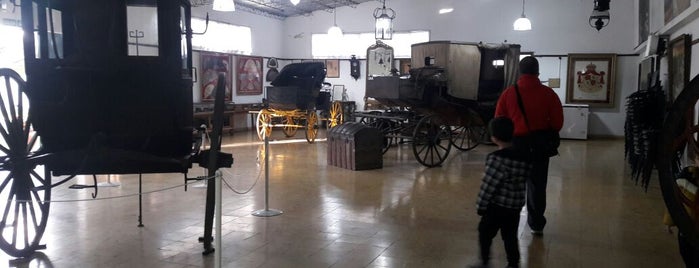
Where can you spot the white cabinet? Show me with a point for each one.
(575, 121)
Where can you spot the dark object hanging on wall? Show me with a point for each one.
(645, 110)
(354, 67)
(600, 15)
(273, 72)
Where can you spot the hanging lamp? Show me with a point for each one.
(224, 5)
(384, 22)
(335, 31)
(523, 23)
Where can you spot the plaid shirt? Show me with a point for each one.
(504, 183)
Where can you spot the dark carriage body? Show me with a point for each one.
(455, 80)
(297, 87)
(115, 95)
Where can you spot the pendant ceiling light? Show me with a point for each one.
(522, 24)
(295, 2)
(600, 15)
(335, 32)
(224, 5)
(384, 22)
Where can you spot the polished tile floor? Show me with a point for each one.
(403, 215)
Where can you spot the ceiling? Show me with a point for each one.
(282, 9)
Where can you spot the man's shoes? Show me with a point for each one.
(537, 232)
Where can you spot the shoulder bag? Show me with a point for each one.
(539, 143)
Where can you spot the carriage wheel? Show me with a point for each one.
(384, 126)
(466, 138)
(679, 132)
(290, 126)
(336, 116)
(431, 141)
(311, 126)
(24, 184)
(264, 121)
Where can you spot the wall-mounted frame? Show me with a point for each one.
(332, 68)
(211, 65)
(643, 20)
(194, 74)
(679, 52)
(249, 76)
(337, 92)
(591, 79)
(645, 70)
(674, 8)
(404, 65)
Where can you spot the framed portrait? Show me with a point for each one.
(332, 68)
(591, 79)
(643, 20)
(645, 70)
(679, 52)
(248, 75)
(404, 66)
(337, 92)
(211, 65)
(674, 8)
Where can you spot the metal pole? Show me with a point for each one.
(217, 239)
(267, 212)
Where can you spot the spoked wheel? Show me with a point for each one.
(290, 126)
(311, 126)
(24, 184)
(385, 127)
(466, 138)
(263, 124)
(680, 131)
(336, 116)
(431, 141)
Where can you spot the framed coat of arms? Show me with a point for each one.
(591, 79)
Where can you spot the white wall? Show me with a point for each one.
(559, 28)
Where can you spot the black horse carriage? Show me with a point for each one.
(293, 102)
(446, 100)
(108, 91)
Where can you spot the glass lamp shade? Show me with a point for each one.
(335, 32)
(384, 27)
(522, 24)
(295, 2)
(224, 5)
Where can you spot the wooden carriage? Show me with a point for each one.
(447, 99)
(107, 91)
(293, 100)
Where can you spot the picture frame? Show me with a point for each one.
(337, 92)
(211, 65)
(332, 68)
(645, 70)
(404, 65)
(591, 79)
(194, 74)
(679, 59)
(674, 8)
(643, 20)
(249, 75)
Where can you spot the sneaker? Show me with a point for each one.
(537, 232)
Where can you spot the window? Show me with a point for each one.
(222, 37)
(324, 46)
(142, 25)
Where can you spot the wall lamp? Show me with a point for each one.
(600, 15)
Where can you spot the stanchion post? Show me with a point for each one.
(267, 212)
(219, 215)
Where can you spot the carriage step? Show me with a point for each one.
(80, 186)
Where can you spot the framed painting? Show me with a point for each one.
(248, 75)
(332, 68)
(679, 52)
(645, 70)
(674, 8)
(211, 65)
(404, 66)
(591, 79)
(643, 20)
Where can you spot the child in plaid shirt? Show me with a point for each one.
(502, 193)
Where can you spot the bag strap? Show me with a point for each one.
(521, 106)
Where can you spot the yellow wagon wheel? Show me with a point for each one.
(336, 116)
(290, 126)
(264, 119)
(311, 126)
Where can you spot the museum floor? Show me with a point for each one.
(403, 215)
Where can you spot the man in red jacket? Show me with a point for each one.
(544, 111)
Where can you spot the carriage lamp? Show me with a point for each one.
(600, 15)
(523, 23)
(224, 5)
(384, 22)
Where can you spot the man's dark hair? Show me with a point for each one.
(501, 128)
(529, 65)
